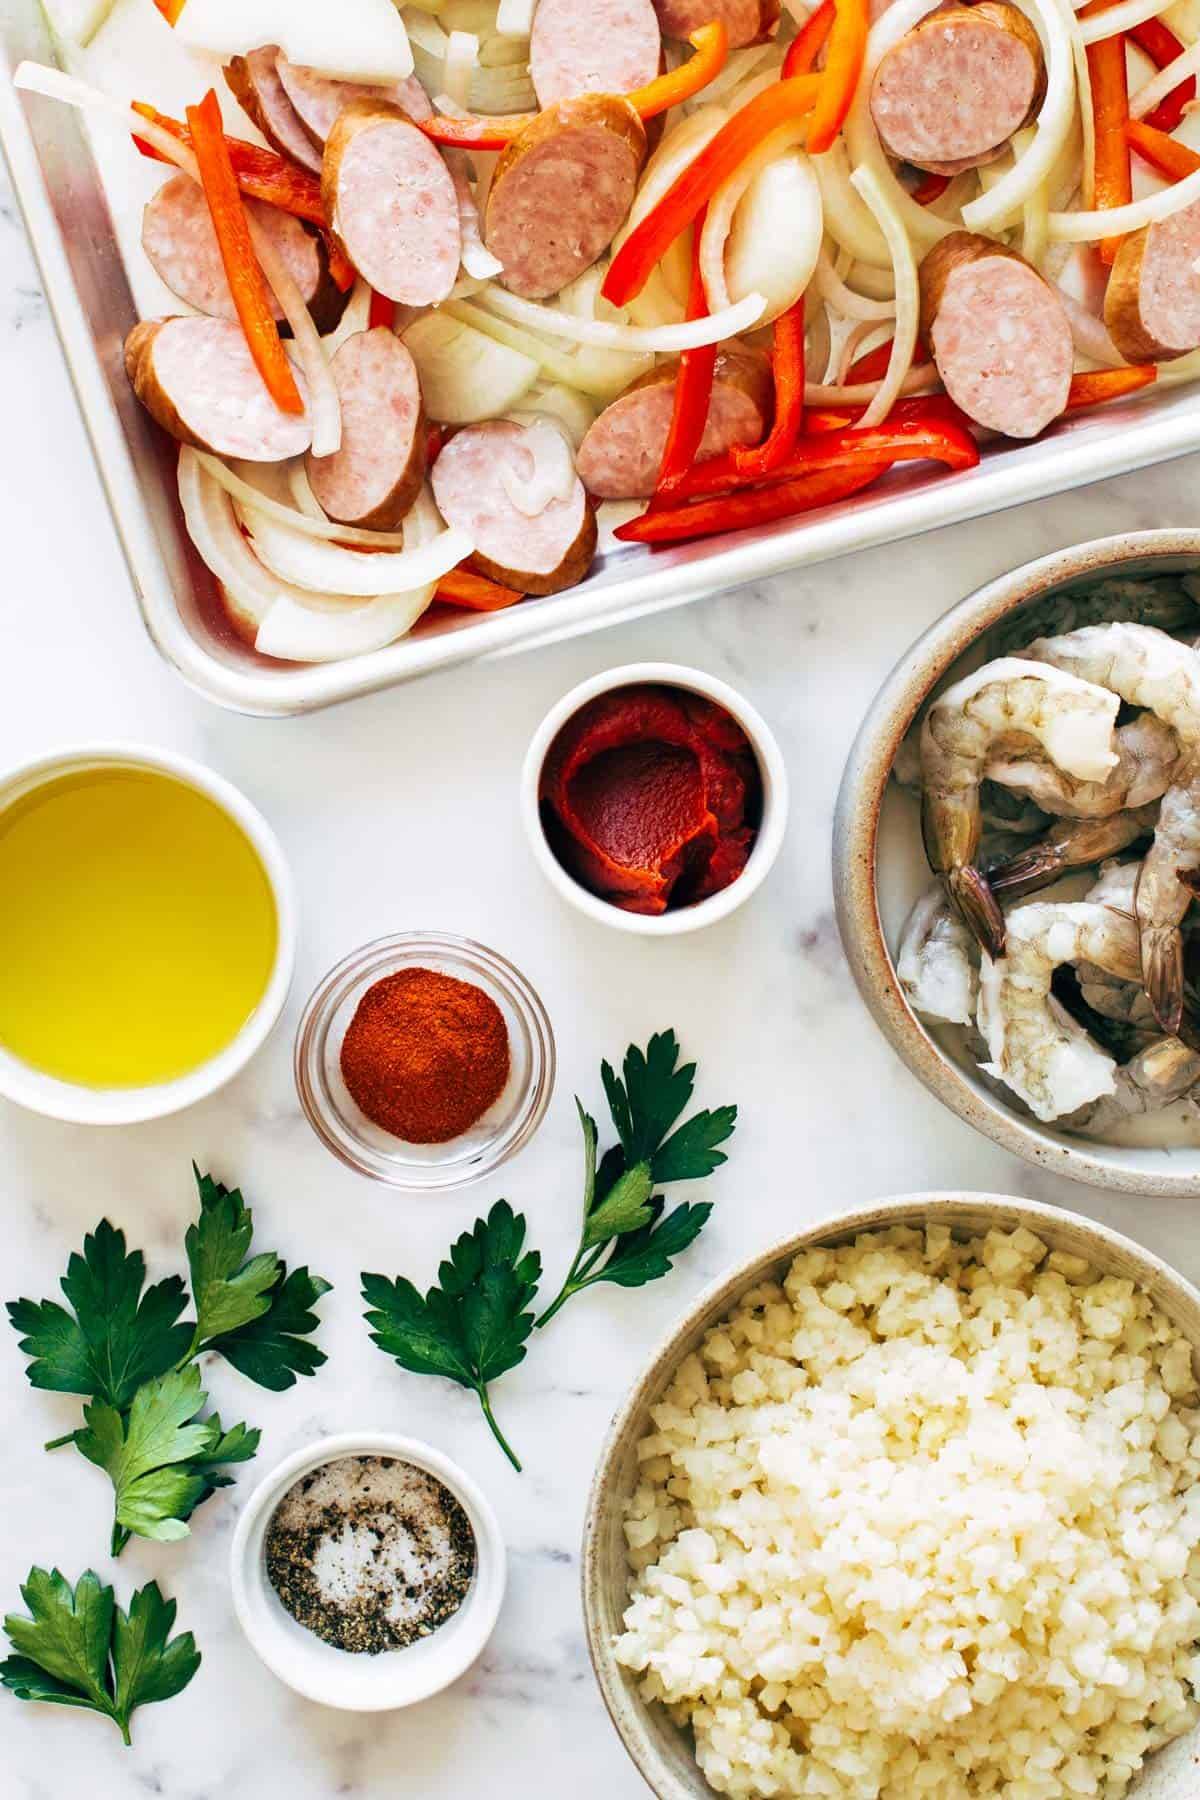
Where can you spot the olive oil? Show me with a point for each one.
(138, 929)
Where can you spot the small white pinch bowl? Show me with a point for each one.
(772, 771)
(79, 1105)
(339, 1678)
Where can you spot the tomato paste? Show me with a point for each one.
(651, 798)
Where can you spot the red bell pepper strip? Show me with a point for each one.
(840, 77)
(931, 434)
(693, 389)
(1162, 47)
(643, 249)
(754, 506)
(435, 439)
(808, 42)
(873, 366)
(461, 588)
(1097, 385)
(930, 188)
(711, 44)
(1110, 104)
(264, 175)
(787, 369)
(381, 311)
(251, 296)
(1166, 154)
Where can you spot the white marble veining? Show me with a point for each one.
(402, 811)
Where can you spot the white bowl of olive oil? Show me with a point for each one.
(149, 932)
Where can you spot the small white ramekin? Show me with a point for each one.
(78, 1105)
(394, 1678)
(774, 797)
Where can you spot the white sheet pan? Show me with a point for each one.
(81, 195)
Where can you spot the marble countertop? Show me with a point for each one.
(401, 811)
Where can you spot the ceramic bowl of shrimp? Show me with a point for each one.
(1016, 851)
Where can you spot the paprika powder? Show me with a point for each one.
(425, 1055)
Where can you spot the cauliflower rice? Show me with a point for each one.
(923, 1524)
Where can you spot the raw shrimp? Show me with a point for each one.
(1167, 603)
(1036, 1048)
(994, 710)
(1069, 844)
(1161, 1073)
(1149, 755)
(934, 961)
(1148, 668)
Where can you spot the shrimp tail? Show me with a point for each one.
(1032, 868)
(1162, 974)
(978, 907)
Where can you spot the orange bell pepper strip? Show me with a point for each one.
(787, 370)
(1098, 385)
(643, 249)
(1166, 154)
(840, 76)
(754, 506)
(693, 390)
(170, 9)
(1162, 47)
(264, 175)
(246, 282)
(461, 588)
(806, 46)
(1110, 104)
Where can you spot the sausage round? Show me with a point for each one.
(539, 555)
(375, 476)
(197, 378)
(607, 47)
(179, 239)
(255, 85)
(951, 93)
(998, 333)
(1152, 302)
(622, 452)
(319, 101)
(562, 190)
(391, 203)
(746, 21)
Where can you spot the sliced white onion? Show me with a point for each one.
(862, 139)
(568, 408)
(605, 335)
(552, 476)
(924, 380)
(879, 284)
(514, 18)
(908, 294)
(301, 490)
(1114, 221)
(246, 494)
(776, 234)
(330, 569)
(354, 40)
(718, 216)
(1118, 18)
(1165, 82)
(1059, 33)
(78, 21)
(843, 299)
(213, 528)
(680, 145)
(847, 220)
(465, 374)
(477, 259)
(1089, 333)
(356, 318)
(600, 373)
(739, 66)
(1085, 110)
(324, 409)
(459, 64)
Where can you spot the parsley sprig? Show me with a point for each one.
(78, 1648)
(127, 1348)
(475, 1325)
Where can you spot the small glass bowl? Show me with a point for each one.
(507, 1125)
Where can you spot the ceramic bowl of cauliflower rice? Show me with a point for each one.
(908, 1508)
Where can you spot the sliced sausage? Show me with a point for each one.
(562, 190)
(197, 378)
(319, 101)
(391, 203)
(1152, 303)
(951, 93)
(255, 85)
(179, 239)
(539, 555)
(999, 334)
(375, 476)
(620, 455)
(746, 21)
(606, 47)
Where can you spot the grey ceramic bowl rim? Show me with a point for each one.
(855, 834)
(961, 1210)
